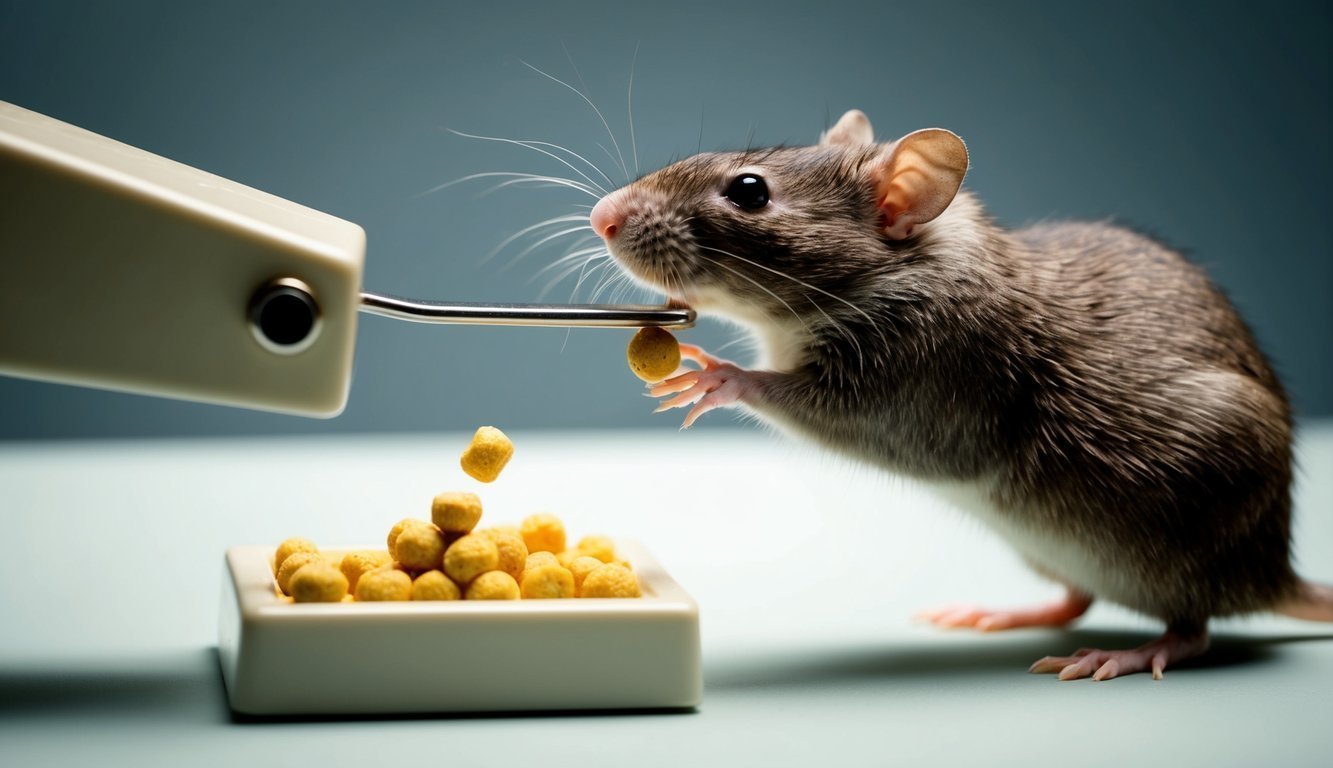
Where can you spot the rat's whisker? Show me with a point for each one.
(544, 182)
(516, 178)
(539, 225)
(583, 274)
(610, 278)
(581, 268)
(531, 145)
(589, 101)
(574, 154)
(573, 257)
(840, 328)
(560, 278)
(760, 286)
(780, 273)
(546, 239)
(602, 147)
(629, 106)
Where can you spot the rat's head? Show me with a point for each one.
(777, 235)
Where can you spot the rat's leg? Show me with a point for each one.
(1057, 614)
(1180, 642)
(718, 383)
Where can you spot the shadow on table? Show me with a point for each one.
(174, 687)
(180, 687)
(974, 657)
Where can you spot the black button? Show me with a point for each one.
(284, 315)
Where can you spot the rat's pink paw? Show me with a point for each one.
(1104, 665)
(718, 384)
(1057, 614)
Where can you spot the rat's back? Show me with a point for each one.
(1153, 402)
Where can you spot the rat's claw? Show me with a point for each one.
(680, 401)
(1105, 665)
(727, 394)
(698, 355)
(675, 384)
(716, 384)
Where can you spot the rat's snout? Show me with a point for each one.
(607, 216)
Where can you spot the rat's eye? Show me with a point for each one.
(748, 191)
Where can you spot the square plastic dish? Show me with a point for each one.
(283, 658)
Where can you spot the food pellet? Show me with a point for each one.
(580, 568)
(318, 581)
(455, 511)
(536, 559)
(419, 547)
(600, 547)
(290, 565)
(383, 585)
(398, 528)
(493, 585)
(611, 580)
(487, 454)
(470, 557)
(547, 581)
(434, 585)
(290, 547)
(653, 354)
(513, 552)
(354, 565)
(567, 557)
(543, 533)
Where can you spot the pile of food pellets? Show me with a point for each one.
(449, 558)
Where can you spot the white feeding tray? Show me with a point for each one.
(283, 658)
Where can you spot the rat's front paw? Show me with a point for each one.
(716, 385)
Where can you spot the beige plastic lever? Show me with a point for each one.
(124, 270)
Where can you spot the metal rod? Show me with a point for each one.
(552, 315)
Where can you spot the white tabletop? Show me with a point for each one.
(807, 570)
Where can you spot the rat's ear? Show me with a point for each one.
(852, 129)
(917, 177)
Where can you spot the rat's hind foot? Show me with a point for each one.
(1170, 648)
(718, 384)
(1057, 614)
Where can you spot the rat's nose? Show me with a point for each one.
(606, 217)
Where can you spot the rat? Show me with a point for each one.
(1081, 388)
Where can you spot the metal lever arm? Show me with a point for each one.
(555, 315)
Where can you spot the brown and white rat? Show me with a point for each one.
(1083, 389)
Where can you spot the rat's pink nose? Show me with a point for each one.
(606, 217)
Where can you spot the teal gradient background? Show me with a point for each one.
(1205, 124)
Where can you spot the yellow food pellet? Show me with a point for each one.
(543, 533)
(455, 511)
(611, 580)
(493, 585)
(398, 528)
(318, 581)
(291, 564)
(653, 354)
(600, 547)
(506, 528)
(547, 581)
(487, 454)
(513, 552)
(434, 585)
(384, 584)
(290, 547)
(580, 568)
(419, 547)
(567, 557)
(470, 557)
(537, 559)
(354, 565)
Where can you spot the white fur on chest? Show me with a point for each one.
(1063, 557)
(784, 343)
